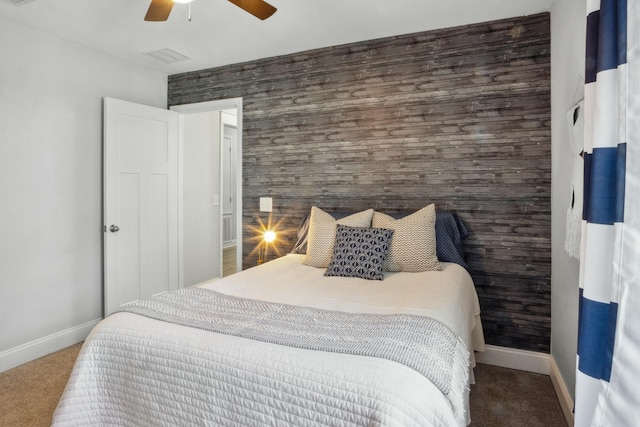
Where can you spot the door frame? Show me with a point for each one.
(201, 107)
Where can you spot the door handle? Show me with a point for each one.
(114, 228)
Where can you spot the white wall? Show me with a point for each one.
(51, 183)
(201, 182)
(568, 26)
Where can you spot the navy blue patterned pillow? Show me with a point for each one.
(359, 252)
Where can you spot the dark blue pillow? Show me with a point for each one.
(359, 252)
(450, 232)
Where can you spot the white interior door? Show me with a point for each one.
(140, 202)
(228, 172)
(229, 138)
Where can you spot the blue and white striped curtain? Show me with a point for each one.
(608, 362)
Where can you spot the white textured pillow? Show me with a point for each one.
(413, 245)
(322, 234)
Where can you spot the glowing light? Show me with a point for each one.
(266, 238)
(269, 236)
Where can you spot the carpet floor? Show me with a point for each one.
(507, 397)
(29, 393)
(500, 398)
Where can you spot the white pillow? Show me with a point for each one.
(413, 245)
(322, 234)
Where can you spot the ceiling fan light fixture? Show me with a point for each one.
(18, 2)
(159, 10)
(258, 8)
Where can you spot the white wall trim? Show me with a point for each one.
(523, 360)
(566, 402)
(41, 347)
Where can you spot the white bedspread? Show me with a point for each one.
(136, 371)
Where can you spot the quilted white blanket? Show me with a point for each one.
(133, 370)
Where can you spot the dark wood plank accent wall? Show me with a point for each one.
(458, 117)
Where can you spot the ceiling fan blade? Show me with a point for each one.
(159, 10)
(258, 8)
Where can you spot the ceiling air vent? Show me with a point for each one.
(167, 56)
(18, 2)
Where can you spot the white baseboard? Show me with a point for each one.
(41, 347)
(566, 403)
(523, 360)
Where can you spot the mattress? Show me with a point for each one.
(140, 371)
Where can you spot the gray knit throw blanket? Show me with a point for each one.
(422, 343)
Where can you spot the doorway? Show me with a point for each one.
(222, 203)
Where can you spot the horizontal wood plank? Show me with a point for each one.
(459, 117)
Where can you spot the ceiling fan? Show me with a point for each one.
(159, 10)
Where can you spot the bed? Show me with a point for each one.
(285, 347)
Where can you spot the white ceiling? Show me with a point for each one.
(221, 33)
